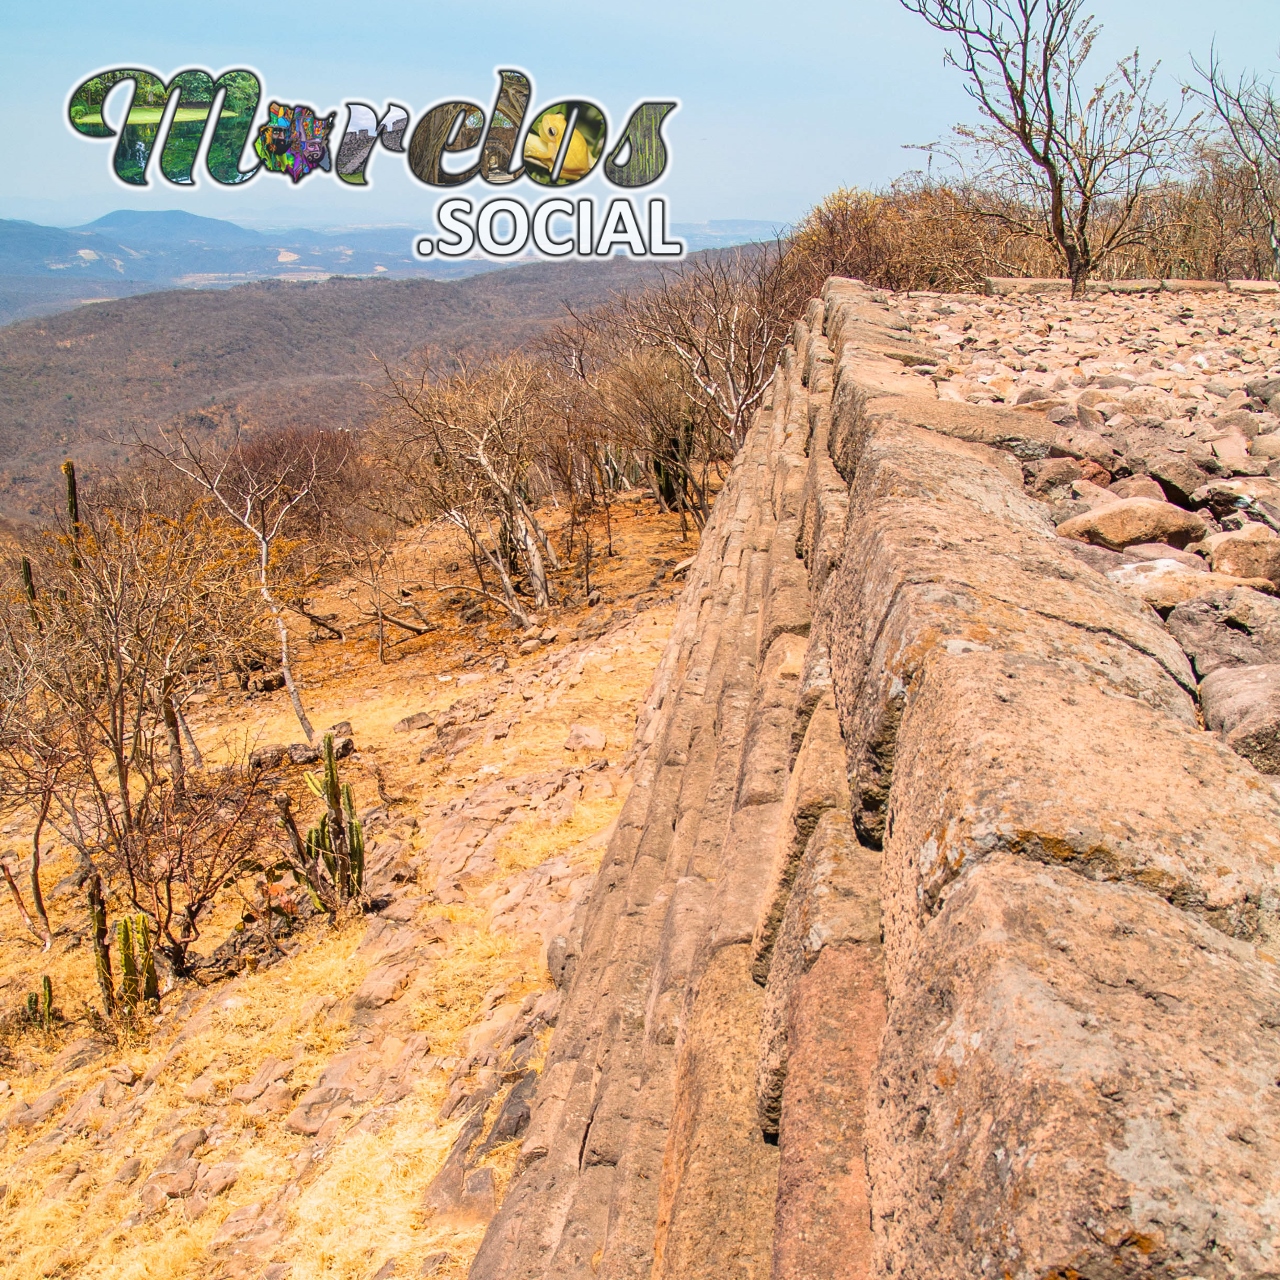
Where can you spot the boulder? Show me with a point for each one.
(1093, 494)
(1164, 583)
(1081, 443)
(1138, 487)
(1242, 704)
(1053, 472)
(1267, 446)
(269, 757)
(1263, 388)
(584, 737)
(1222, 497)
(1231, 628)
(419, 720)
(1130, 520)
(1251, 552)
(1176, 474)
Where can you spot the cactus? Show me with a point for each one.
(40, 1005)
(101, 956)
(29, 590)
(137, 962)
(73, 509)
(332, 856)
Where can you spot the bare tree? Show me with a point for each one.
(1078, 159)
(264, 494)
(118, 613)
(465, 449)
(33, 756)
(724, 318)
(1249, 113)
(190, 848)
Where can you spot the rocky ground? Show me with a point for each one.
(348, 1101)
(1164, 467)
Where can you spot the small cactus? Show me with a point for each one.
(137, 962)
(331, 857)
(40, 1005)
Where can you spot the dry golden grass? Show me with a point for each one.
(360, 1203)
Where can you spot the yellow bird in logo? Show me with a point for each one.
(543, 145)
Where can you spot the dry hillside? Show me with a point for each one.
(286, 353)
(293, 1111)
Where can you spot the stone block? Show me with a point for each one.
(1077, 1080)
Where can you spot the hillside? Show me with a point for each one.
(270, 352)
(900, 901)
(296, 1104)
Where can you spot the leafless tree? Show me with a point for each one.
(465, 449)
(1066, 162)
(724, 318)
(265, 493)
(118, 613)
(1249, 113)
(33, 757)
(190, 848)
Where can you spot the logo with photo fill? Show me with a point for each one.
(453, 144)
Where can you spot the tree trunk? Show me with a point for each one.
(22, 906)
(286, 667)
(197, 760)
(533, 559)
(173, 737)
(37, 894)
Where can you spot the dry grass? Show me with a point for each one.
(359, 1204)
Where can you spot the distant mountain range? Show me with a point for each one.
(47, 269)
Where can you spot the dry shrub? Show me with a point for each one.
(919, 234)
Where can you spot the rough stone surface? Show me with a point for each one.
(1251, 552)
(1117, 524)
(1004, 1005)
(1243, 705)
(1233, 628)
(1044, 1105)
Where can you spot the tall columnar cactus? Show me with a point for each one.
(73, 509)
(101, 956)
(137, 962)
(337, 841)
(46, 1002)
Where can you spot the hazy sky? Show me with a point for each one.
(782, 101)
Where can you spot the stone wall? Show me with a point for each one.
(936, 938)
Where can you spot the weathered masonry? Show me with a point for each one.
(937, 938)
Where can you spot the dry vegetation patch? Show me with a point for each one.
(419, 1019)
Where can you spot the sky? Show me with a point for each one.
(781, 102)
